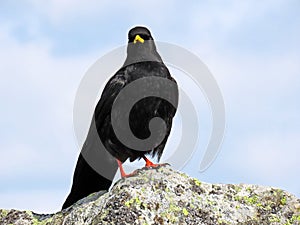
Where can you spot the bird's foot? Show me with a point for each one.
(123, 174)
(151, 164)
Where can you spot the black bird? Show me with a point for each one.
(143, 61)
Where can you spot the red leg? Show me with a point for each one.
(149, 163)
(123, 174)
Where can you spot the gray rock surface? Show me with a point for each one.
(164, 196)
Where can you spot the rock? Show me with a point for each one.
(164, 196)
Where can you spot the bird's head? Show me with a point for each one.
(141, 46)
(139, 35)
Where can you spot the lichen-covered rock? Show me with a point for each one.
(164, 196)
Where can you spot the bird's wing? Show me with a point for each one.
(86, 180)
(109, 94)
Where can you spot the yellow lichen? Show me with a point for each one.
(197, 182)
(173, 208)
(135, 200)
(3, 213)
(274, 219)
(185, 212)
(283, 200)
(251, 200)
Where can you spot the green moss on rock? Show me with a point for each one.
(164, 196)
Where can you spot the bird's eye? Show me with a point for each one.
(131, 39)
(145, 37)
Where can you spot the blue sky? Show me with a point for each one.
(251, 47)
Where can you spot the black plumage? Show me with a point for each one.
(142, 61)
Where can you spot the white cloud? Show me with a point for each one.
(228, 15)
(65, 11)
(39, 201)
(271, 155)
(37, 92)
(265, 158)
(38, 89)
(36, 137)
(261, 92)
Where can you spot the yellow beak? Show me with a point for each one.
(138, 38)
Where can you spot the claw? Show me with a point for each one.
(123, 174)
(149, 163)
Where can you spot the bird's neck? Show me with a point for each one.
(146, 53)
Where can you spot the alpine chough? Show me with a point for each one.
(143, 61)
